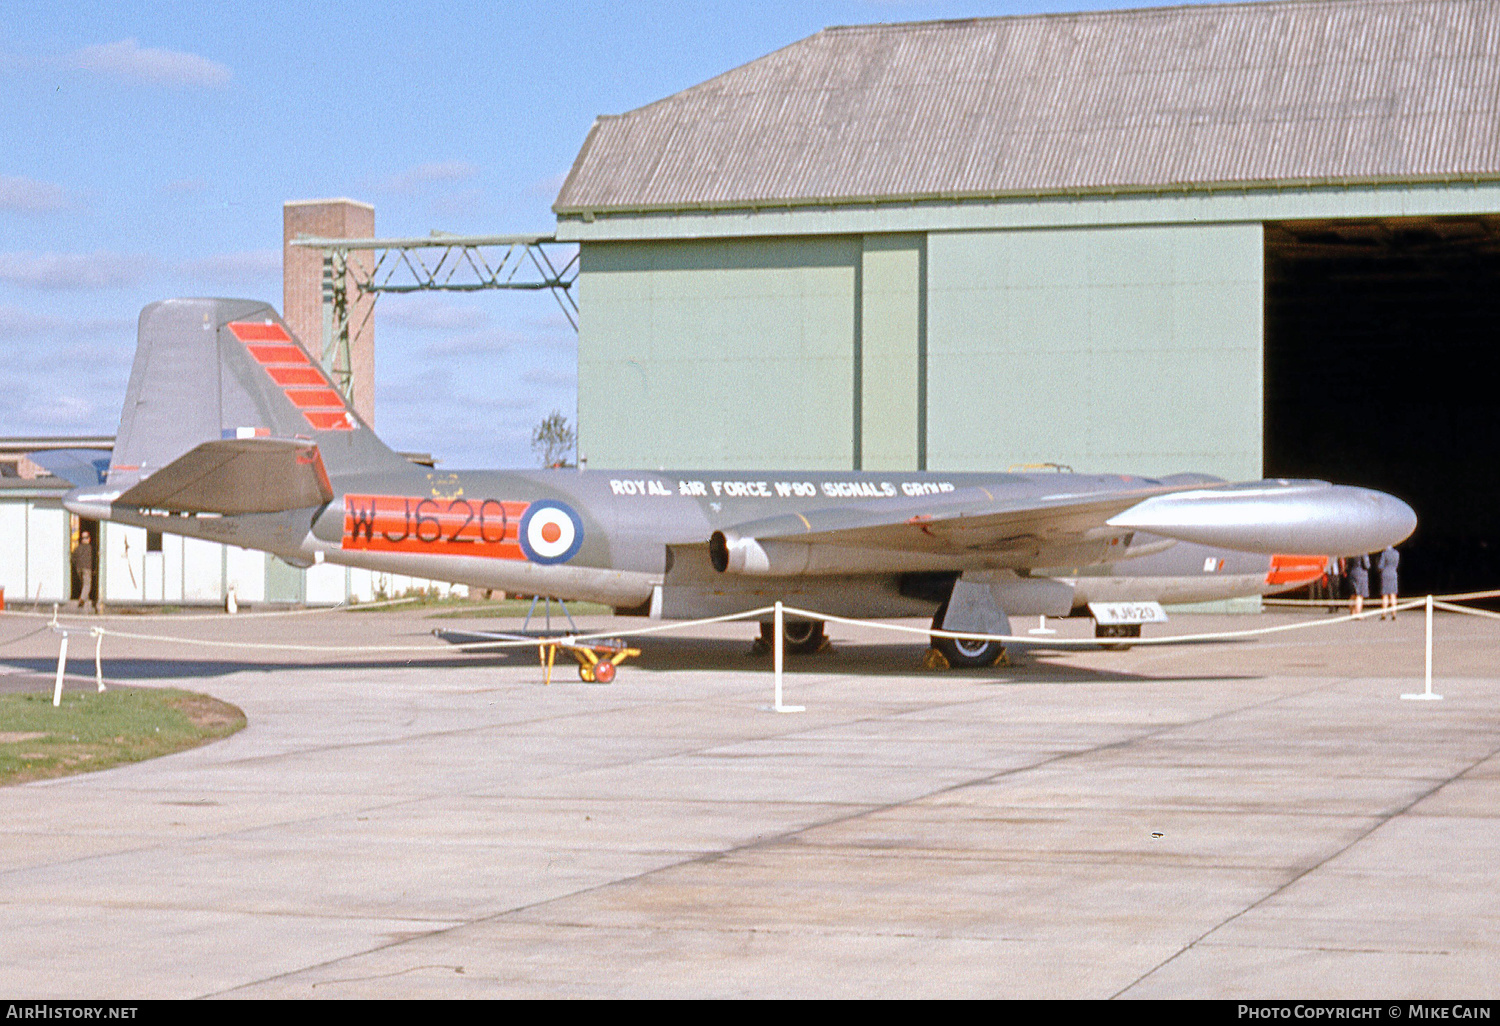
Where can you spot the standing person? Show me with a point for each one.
(1386, 563)
(1330, 586)
(83, 566)
(1357, 573)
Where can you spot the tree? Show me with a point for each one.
(553, 439)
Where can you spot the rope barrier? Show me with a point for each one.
(1465, 596)
(778, 611)
(1450, 607)
(1175, 639)
(562, 639)
(62, 613)
(1014, 639)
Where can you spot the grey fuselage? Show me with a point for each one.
(644, 538)
(232, 431)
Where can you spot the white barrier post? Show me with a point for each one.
(778, 651)
(62, 661)
(1427, 695)
(98, 666)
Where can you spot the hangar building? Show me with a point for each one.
(1241, 239)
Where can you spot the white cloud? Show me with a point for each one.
(255, 266)
(29, 195)
(429, 313)
(452, 327)
(476, 343)
(548, 188)
(551, 377)
(424, 176)
(63, 389)
(101, 269)
(128, 60)
(18, 323)
(468, 203)
(58, 410)
(442, 184)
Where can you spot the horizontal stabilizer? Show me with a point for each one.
(83, 468)
(237, 475)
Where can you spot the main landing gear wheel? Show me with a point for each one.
(965, 652)
(801, 637)
(1117, 630)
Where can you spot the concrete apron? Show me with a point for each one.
(1250, 820)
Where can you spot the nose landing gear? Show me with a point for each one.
(800, 637)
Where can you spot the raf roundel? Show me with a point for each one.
(551, 532)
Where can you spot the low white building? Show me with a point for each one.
(134, 566)
(140, 567)
(35, 540)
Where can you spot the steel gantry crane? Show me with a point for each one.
(440, 262)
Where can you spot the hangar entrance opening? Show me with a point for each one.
(1382, 368)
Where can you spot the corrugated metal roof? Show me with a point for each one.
(1294, 91)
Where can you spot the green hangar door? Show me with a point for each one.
(1382, 367)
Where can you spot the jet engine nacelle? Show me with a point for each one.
(737, 554)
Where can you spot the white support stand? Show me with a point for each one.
(1427, 695)
(778, 651)
(62, 662)
(1041, 627)
(98, 666)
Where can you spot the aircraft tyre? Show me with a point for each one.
(801, 637)
(1117, 630)
(961, 652)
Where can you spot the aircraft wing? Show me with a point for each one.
(1063, 528)
(237, 475)
(963, 520)
(974, 522)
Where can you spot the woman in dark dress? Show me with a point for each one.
(1357, 573)
(1386, 563)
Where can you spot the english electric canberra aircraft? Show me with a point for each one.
(233, 433)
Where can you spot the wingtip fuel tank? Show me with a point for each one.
(1275, 516)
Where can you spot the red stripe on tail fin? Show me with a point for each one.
(256, 331)
(265, 354)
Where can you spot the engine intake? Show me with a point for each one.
(730, 553)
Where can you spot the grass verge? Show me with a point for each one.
(91, 731)
(457, 608)
(518, 608)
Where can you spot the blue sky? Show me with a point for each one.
(146, 150)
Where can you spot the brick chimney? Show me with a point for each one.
(302, 284)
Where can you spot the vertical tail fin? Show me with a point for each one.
(208, 369)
